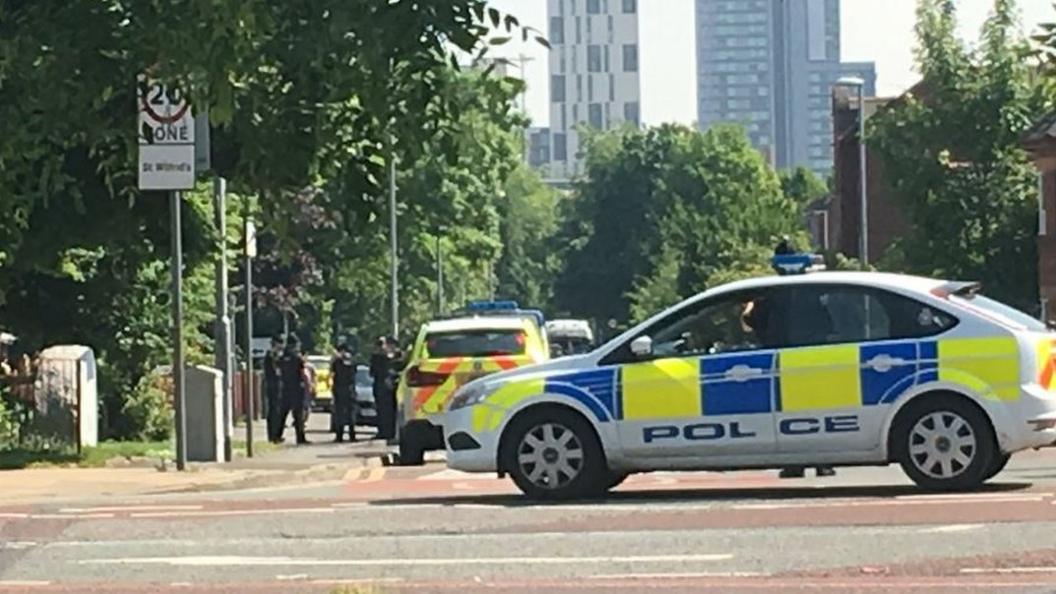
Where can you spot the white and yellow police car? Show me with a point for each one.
(827, 368)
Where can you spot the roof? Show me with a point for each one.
(900, 282)
(67, 352)
(1042, 132)
(478, 323)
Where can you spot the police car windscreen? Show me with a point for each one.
(475, 343)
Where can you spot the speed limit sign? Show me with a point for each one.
(166, 136)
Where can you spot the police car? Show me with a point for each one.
(826, 368)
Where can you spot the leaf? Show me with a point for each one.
(496, 17)
(511, 22)
(498, 40)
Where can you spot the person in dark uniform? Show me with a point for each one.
(272, 389)
(292, 375)
(384, 399)
(343, 380)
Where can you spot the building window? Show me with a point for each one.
(630, 57)
(557, 30)
(593, 58)
(610, 28)
(632, 112)
(630, 6)
(579, 88)
(557, 88)
(560, 147)
(607, 69)
(579, 30)
(593, 6)
(594, 116)
(590, 87)
(612, 88)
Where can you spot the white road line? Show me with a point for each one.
(128, 508)
(22, 583)
(17, 544)
(357, 582)
(882, 502)
(235, 561)
(13, 516)
(235, 512)
(68, 516)
(293, 577)
(1008, 570)
(950, 528)
(683, 575)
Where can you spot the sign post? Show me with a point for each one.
(249, 232)
(166, 162)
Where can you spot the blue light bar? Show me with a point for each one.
(481, 306)
(797, 263)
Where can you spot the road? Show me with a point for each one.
(430, 529)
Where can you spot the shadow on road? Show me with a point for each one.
(701, 495)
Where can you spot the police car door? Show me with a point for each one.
(706, 387)
(851, 351)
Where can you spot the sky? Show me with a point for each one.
(871, 30)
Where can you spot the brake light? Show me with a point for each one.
(416, 378)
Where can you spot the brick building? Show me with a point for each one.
(1040, 143)
(836, 221)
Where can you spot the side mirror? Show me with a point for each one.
(642, 346)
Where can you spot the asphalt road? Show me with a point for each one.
(430, 529)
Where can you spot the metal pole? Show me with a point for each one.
(864, 250)
(177, 331)
(439, 277)
(247, 252)
(394, 253)
(223, 314)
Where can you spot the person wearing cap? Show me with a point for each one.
(272, 389)
(292, 376)
(343, 378)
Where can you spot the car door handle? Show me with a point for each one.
(884, 363)
(743, 373)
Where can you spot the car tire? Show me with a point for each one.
(615, 480)
(555, 455)
(944, 443)
(1000, 461)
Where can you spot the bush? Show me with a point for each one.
(9, 419)
(147, 411)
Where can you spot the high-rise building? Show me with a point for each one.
(593, 74)
(770, 65)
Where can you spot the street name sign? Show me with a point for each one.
(166, 137)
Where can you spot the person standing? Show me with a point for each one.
(343, 380)
(292, 376)
(384, 399)
(272, 389)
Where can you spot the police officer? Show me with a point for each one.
(384, 400)
(343, 378)
(292, 376)
(272, 389)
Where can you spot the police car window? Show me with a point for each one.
(734, 323)
(475, 343)
(847, 314)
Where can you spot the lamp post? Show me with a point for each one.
(863, 234)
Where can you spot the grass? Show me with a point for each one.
(98, 456)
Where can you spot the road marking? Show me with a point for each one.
(357, 582)
(1008, 570)
(883, 502)
(293, 577)
(18, 545)
(236, 561)
(14, 516)
(683, 575)
(365, 475)
(235, 512)
(458, 475)
(22, 583)
(128, 508)
(62, 516)
(950, 528)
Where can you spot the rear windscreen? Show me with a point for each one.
(474, 343)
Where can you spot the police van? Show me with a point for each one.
(825, 368)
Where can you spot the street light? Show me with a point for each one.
(863, 235)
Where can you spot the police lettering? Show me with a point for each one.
(809, 426)
(696, 432)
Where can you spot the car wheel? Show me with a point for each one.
(945, 444)
(615, 480)
(1000, 461)
(555, 455)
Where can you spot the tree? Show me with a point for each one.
(953, 157)
(803, 186)
(664, 213)
(529, 214)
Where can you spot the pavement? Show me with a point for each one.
(385, 529)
